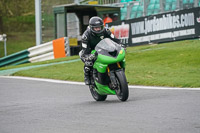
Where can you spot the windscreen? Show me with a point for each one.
(107, 44)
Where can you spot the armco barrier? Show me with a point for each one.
(14, 58)
(51, 50)
(41, 49)
(43, 57)
(41, 52)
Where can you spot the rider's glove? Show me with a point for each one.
(88, 63)
(91, 57)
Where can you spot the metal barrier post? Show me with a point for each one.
(3, 38)
(67, 47)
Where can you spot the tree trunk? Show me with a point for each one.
(1, 25)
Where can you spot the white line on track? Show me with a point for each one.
(81, 83)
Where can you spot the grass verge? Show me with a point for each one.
(174, 64)
(17, 41)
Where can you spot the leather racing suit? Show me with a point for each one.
(89, 41)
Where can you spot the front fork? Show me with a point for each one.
(113, 79)
(112, 75)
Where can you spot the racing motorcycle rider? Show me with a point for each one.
(94, 33)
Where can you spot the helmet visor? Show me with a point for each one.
(97, 29)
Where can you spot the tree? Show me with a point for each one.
(11, 8)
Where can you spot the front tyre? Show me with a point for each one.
(96, 95)
(122, 86)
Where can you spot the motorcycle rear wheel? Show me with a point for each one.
(96, 95)
(122, 90)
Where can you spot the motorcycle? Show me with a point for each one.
(108, 74)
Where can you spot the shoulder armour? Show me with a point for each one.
(85, 35)
(108, 31)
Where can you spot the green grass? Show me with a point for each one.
(174, 64)
(18, 41)
(40, 63)
(70, 71)
(20, 32)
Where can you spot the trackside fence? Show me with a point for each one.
(51, 50)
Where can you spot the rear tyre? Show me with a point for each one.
(122, 86)
(96, 95)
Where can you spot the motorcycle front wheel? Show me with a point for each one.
(122, 86)
(96, 95)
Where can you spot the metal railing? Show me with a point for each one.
(141, 8)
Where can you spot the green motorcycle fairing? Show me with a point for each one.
(103, 61)
(108, 53)
(104, 89)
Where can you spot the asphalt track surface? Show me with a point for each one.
(33, 106)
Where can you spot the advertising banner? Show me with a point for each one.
(177, 25)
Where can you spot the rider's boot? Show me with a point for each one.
(87, 80)
(87, 75)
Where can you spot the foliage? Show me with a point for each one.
(17, 20)
(13, 8)
(16, 7)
